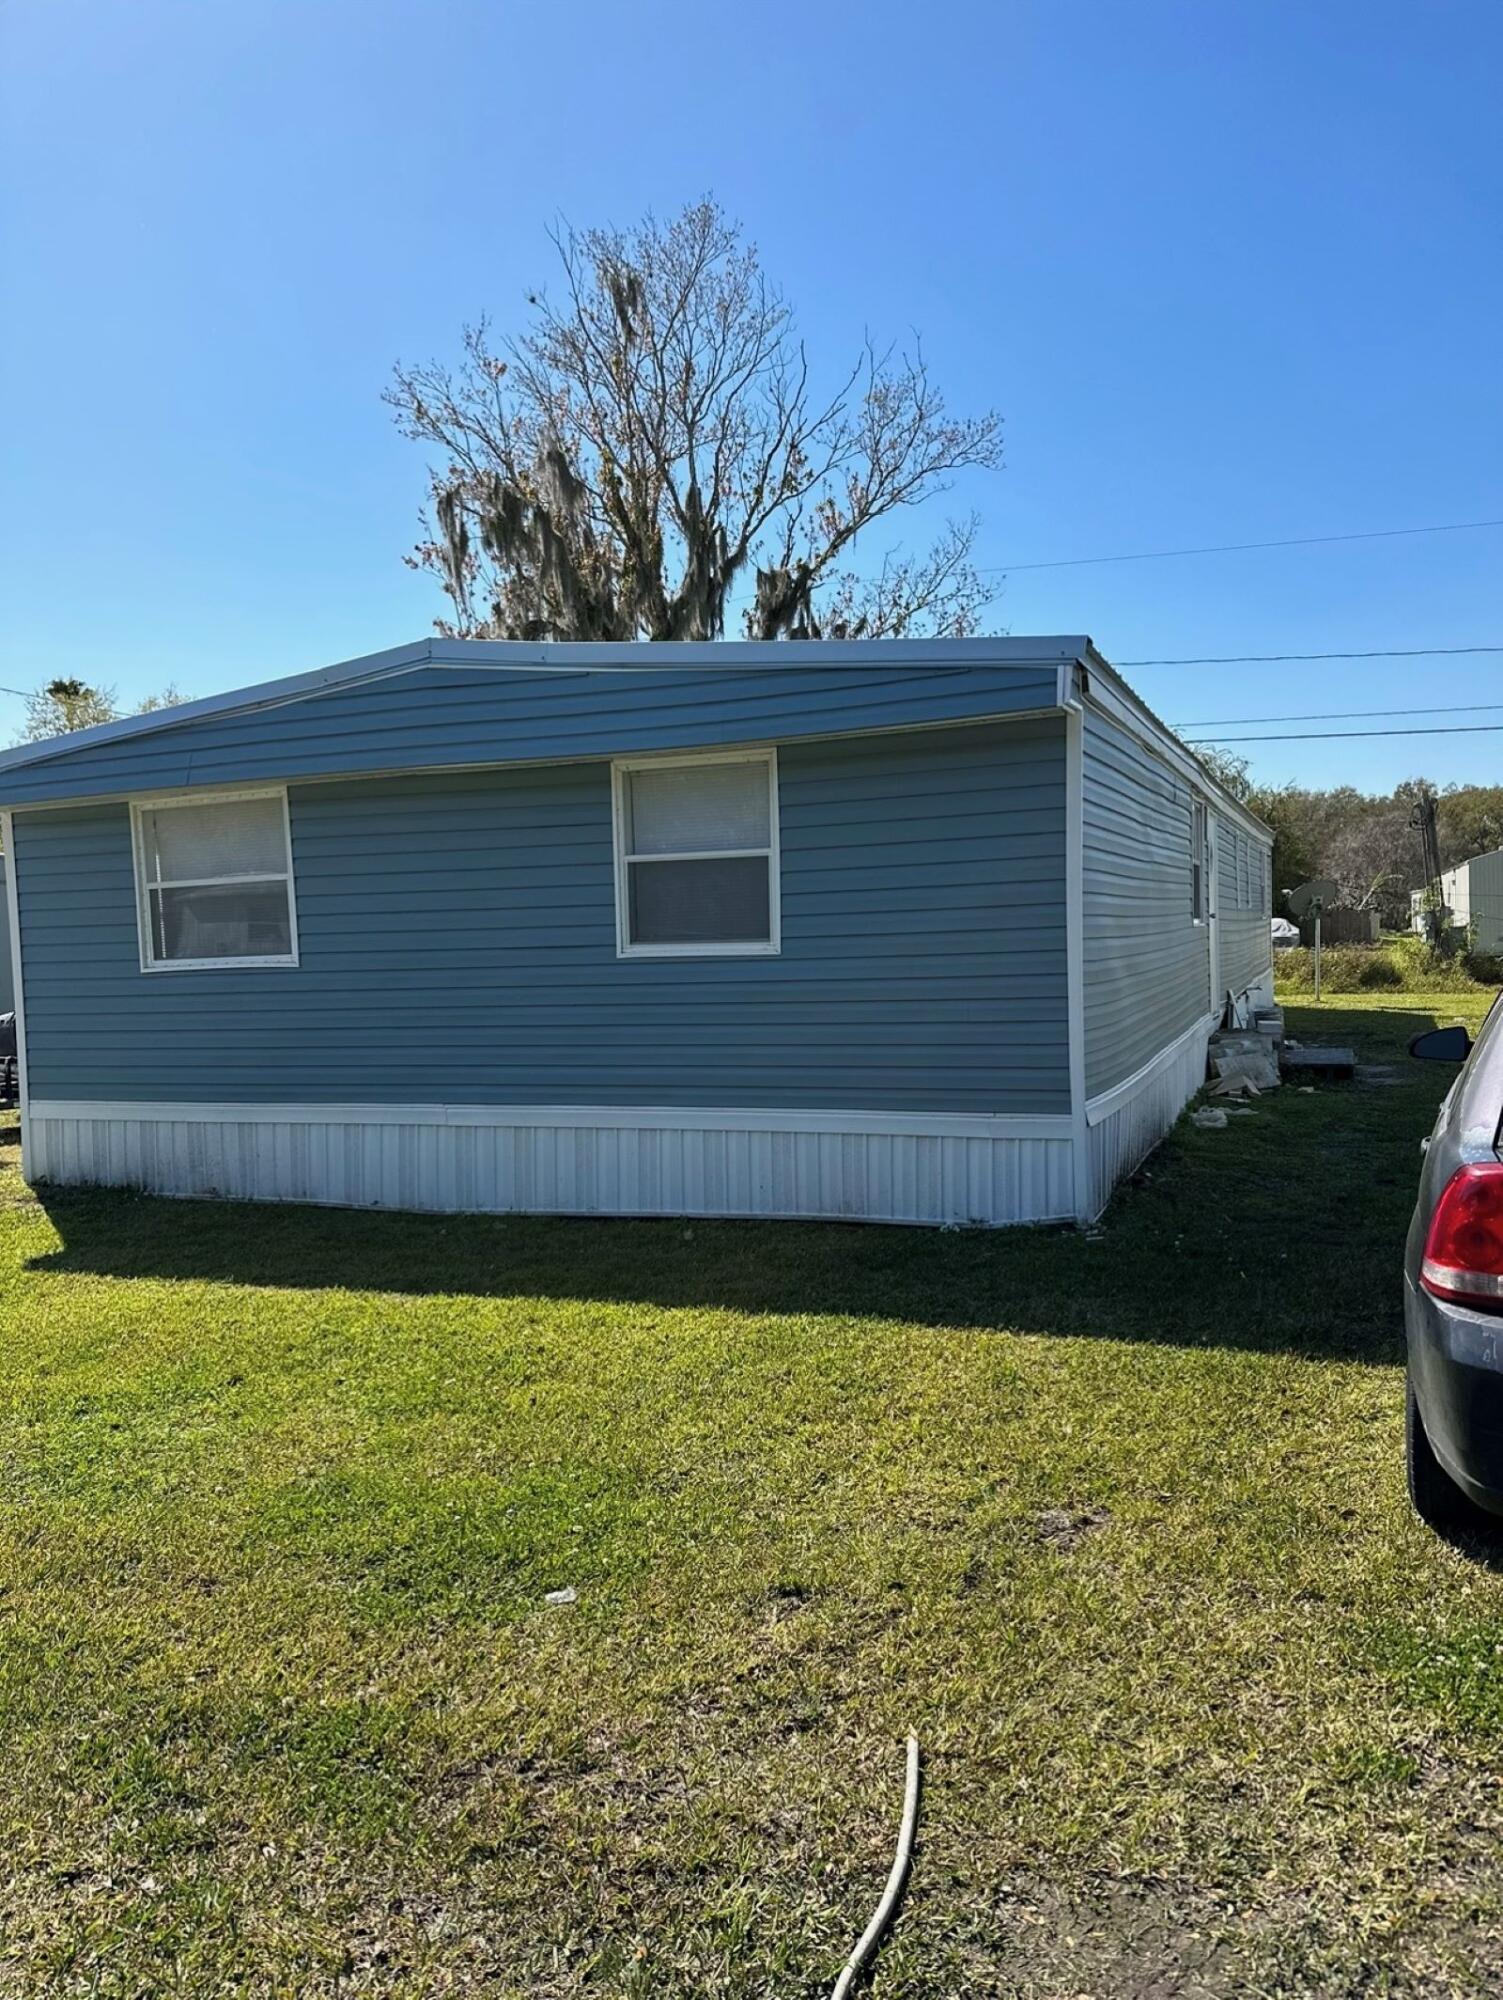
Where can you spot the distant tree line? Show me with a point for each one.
(1366, 842)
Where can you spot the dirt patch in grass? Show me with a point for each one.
(1065, 1528)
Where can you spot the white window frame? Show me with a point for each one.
(165, 803)
(772, 945)
(1200, 858)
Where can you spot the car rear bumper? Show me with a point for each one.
(1456, 1366)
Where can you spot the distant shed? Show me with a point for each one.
(899, 931)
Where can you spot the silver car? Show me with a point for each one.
(1453, 1290)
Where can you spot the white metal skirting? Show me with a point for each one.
(829, 1166)
(1124, 1125)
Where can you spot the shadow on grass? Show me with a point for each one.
(1282, 1233)
(1481, 1544)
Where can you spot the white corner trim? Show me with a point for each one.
(1213, 909)
(1107, 1103)
(598, 1117)
(13, 918)
(1075, 947)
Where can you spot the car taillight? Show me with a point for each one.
(1463, 1258)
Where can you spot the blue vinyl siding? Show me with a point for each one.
(1147, 962)
(1243, 883)
(441, 716)
(457, 935)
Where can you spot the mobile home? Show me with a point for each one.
(929, 932)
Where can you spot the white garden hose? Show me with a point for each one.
(871, 1936)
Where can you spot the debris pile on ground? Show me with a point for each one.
(1243, 1064)
(1269, 1022)
(1209, 1118)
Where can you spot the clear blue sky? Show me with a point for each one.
(1230, 271)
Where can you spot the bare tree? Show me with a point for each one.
(654, 443)
(65, 705)
(1374, 860)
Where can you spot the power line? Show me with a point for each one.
(1271, 659)
(1339, 735)
(1341, 715)
(1237, 548)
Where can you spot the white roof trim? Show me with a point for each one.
(518, 656)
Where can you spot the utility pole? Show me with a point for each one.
(1422, 819)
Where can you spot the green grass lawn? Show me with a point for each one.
(1115, 1521)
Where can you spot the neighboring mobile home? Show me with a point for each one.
(1472, 893)
(911, 932)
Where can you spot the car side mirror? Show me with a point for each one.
(1452, 1045)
